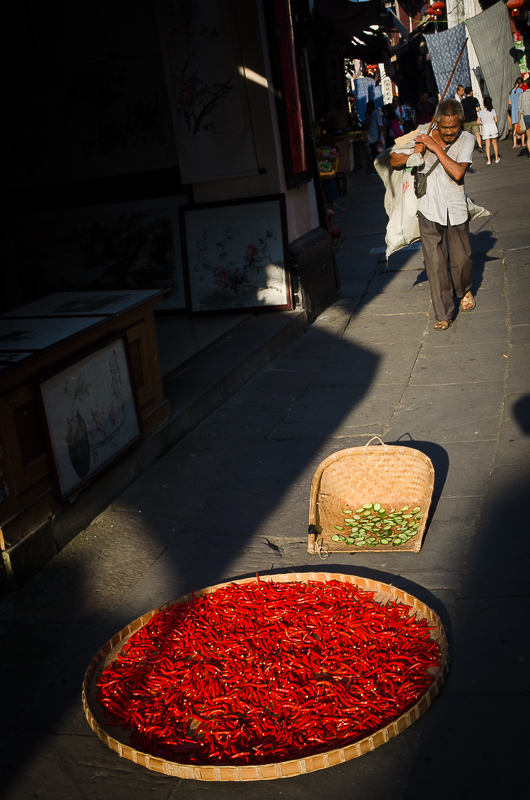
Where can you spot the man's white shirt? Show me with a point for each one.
(445, 200)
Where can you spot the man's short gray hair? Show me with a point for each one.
(449, 108)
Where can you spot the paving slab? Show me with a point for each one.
(458, 734)
(517, 410)
(499, 564)
(518, 369)
(393, 303)
(470, 363)
(506, 500)
(471, 327)
(488, 275)
(332, 322)
(400, 282)
(375, 329)
(520, 316)
(489, 299)
(458, 412)
(509, 239)
(514, 438)
(357, 368)
(491, 650)
(405, 260)
(483, 240)
(518, 258)
(339, 412)
(520, 334)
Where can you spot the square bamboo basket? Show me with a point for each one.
(388, 474)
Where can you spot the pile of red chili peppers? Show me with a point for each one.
(265, 672)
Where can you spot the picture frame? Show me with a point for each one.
(206, 88)
(235, 256)
(102, 304)
(117, 246)
(22, 334)
(90, 414)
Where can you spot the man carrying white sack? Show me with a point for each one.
(442, 160)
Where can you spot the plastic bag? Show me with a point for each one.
(401, 203)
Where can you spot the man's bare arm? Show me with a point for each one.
(398, 160)
(455, 169)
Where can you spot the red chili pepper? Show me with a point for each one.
(267, 671)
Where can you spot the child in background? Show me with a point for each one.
(487, 117)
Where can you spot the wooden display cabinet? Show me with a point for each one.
(36, 348)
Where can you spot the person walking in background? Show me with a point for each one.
(513, 102)
(471, 105)
(393, 126)
(425, 110)
(374, 130)
(460, 92)
(524, 116)
(490, 133)
(404, 114)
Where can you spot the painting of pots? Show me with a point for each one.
(91, 415)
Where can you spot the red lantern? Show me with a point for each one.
(438, 6)
(433, 11)
(514, 6)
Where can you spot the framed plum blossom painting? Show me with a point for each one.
(235, 256)
(91, 415)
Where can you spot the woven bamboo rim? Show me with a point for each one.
(388, 474)
(285, 769)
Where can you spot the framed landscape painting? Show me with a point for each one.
(91, 415)
(235, 256)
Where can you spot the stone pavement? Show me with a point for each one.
(232, 498)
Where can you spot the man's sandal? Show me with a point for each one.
(443, 325)
(469, 301)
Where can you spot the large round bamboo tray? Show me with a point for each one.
(285, 769)
(387, 474)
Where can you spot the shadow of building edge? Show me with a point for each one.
(22, 756)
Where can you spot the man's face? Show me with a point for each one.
(449, 128)
(460, 92)
(425, 98)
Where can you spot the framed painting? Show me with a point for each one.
(122, 246)
(235, 256)
(83, 304)
(90, 415)
(206, 88)
(24, 335)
